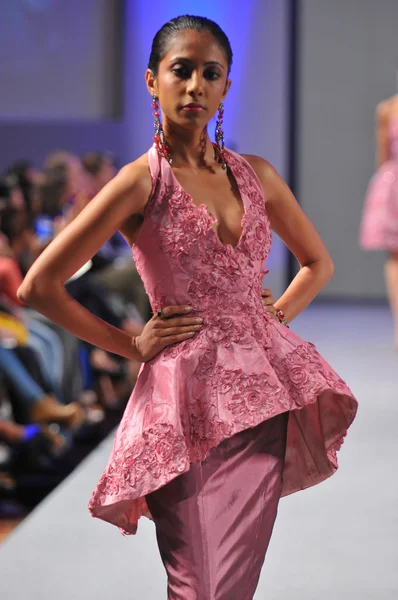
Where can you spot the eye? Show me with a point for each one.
(212, 75)
(181, 72)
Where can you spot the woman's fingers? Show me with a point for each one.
(174, 339)
(172, 316)
(267, 297)
(268, 301)
(169, 327)
(171, 311)
(178, 322)
(173, 331)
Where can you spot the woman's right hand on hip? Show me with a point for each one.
(170, 326)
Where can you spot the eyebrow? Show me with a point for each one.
(188, 60)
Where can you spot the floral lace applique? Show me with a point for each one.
(241, 368)
(157, 454)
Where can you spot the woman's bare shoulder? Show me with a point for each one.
(133, 181)
(263, 169)
(136, 172)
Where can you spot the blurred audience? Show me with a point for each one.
(57, 392)
(100, 167)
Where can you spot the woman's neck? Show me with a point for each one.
(189, 148)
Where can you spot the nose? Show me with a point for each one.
(195, 85)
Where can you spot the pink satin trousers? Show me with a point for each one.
(214, 523)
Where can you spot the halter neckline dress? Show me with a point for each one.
(240, 370)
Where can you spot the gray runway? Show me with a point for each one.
(337, 540)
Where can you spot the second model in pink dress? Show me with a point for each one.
(242, 369)
(379, 227)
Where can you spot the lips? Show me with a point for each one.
(193, 106)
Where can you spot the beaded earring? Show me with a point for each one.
(219, 147)
(158, 138)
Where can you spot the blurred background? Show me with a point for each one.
(307, 78)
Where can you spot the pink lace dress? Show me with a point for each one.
(241, 369)
(379, 226)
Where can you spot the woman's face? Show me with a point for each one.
(191, 80)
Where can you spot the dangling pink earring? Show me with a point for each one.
(220, 154)
(158, 138)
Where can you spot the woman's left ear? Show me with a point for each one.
(228, 84)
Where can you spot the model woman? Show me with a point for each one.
(379, 227)
(231, 409)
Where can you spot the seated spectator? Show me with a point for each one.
(28, 180)
(49, 380)
(56, 353)
(15, 223)
(33, 399)
(41, 337)
(15, 434)
(65, 188)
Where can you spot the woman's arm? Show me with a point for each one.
(382, 141)
(296, 230)
(43, 287)
(115, 207)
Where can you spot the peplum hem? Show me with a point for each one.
(316, 431)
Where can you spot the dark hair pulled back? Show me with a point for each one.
(169, 30)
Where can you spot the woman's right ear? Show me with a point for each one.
(150, 82)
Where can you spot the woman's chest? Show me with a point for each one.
(221, 197)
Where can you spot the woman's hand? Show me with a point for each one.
(268, 302)
(169, 328)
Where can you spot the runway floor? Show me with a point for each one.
(337, 540)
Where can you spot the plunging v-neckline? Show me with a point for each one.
(210, 215)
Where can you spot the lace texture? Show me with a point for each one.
(242, 368)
